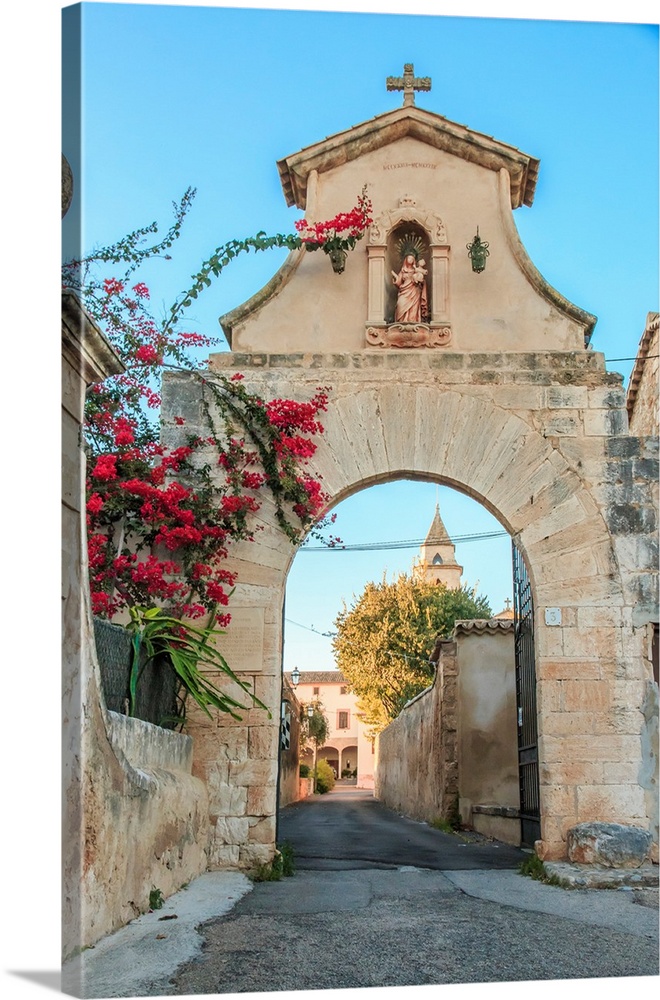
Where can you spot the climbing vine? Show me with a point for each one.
(161, 519)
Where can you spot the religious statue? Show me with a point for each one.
(412, 298)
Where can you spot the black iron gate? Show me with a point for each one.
(528, 759)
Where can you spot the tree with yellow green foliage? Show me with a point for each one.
(384, 640)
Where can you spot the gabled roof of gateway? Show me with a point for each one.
(426, 126)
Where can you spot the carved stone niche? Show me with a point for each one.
(407, 224)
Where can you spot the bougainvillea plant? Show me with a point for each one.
(160, 520)
(338, 235)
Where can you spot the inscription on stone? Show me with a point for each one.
(397, 166)
(242, 645)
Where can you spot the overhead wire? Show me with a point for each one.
(411, 543)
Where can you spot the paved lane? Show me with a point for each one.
(348, 829)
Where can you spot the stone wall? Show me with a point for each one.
(409, 768)
(642, 397)
(133, 816)
(541, 439)
(290, 784)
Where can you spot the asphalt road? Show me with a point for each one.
(380, 901)
(349, 829)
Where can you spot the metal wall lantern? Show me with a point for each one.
(477, 252)
(295, 676)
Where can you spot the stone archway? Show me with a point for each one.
(534, 450)
(498, 395)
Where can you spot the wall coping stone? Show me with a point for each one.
(582, 363)
(486, 810)
(147, 746)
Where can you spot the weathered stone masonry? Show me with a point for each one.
(539, 438)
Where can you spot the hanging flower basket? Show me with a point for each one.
(335, 252)
(339, 235)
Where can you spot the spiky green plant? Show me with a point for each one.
(188, 647)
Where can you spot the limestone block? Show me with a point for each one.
(625, 802)
(607, 397)
(573, 773)
(586, 695)
(611, 844)
(225, 743)
(585, 589)
(600, 748)
(605, 423)
(574, 723)
(623, 773)
(263, 742)
(548, 696)
(549, 641)
(566, 397)
(253, 772)
(261, 801)
(252, 855)
(231, 830)
(228, 800)
(561, 425)
(223, 856)
(601, 617)
(568, 669)
(268, 688)
(262, 831)
(214, 773)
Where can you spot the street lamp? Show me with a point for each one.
(310, 716)
(295, 677)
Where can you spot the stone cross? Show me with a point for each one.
(408, 83)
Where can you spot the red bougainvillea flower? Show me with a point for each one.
(112, 286)
(148, 354)
(95, 504)
(105, 468)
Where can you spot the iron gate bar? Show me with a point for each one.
(528, 766)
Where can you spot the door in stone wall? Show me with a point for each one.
(528, 758)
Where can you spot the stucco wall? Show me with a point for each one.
(133, 816)
(487, 743)
(499, 306)
(455, 745)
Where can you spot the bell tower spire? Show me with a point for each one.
(437, 559)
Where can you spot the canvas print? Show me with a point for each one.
(360, 505)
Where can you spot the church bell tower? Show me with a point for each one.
(437, 559)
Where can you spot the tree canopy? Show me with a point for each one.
(385, 638)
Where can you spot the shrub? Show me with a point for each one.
(305, 771)
(325, 778)
(534, 868)
(282, 865)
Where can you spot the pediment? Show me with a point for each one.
(425, 126)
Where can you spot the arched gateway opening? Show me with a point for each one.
(393, 542)
(486, 384)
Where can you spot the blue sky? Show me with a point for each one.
(212, 97)
(580, 96)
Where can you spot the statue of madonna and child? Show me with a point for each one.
(412, 304)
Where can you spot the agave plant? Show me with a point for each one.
(155, 633)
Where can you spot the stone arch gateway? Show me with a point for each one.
(513, 409)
